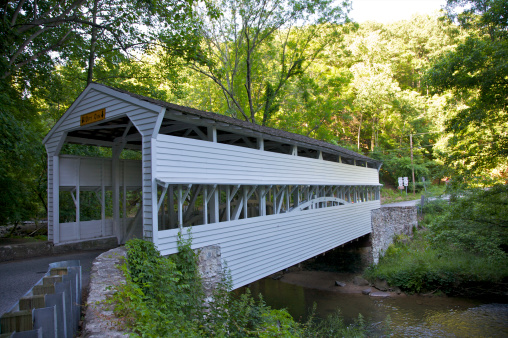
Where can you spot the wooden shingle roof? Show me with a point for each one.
(253, 127)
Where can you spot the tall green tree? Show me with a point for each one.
(255, 48)
(477, 72)
(35, 33)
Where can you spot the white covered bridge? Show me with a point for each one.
(270, 199)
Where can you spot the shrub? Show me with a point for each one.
(162, 297)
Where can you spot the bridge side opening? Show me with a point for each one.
(184, 205)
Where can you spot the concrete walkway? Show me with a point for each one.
(17, 277)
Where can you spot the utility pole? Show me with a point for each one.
(412, 165)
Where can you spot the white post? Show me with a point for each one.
(78, 235)
(56, 200)
(245, 200)
(115, 171)
(205, 205)
(262, 201)
(124, 201)
(180, 207)
(228, 203)
(103, 201)
(171, 205)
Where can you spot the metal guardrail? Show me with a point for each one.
(51, 308)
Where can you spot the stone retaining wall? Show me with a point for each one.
(38, 249)
(100, 320)
(388, 222)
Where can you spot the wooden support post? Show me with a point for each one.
(262, 201)
(228, 203)
(78, 212)
(180, 207)
(205, 204)
(171, 206)
(115, 171)
(261, 143)
(288, 197)
(212, 134)
(214, 204)
(124, 201)
(103, 200)
(245, 200)
(56, 199)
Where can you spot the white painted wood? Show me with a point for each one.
(181, 160)
(96, 97)
(91, 173)
(55, 192)
(256, 247)
(155, 209)
(115, 171)
(70, 232)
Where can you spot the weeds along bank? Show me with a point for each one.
(460, 249)
(163, 297)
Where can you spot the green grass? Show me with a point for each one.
(418, 266)
(389, 195)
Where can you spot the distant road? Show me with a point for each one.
(401, 204)
(412, 203)
(17, 277)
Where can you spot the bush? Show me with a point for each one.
(162, 297)
(462, 249)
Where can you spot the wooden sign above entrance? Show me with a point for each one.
(92, 117)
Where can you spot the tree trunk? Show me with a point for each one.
(93, 43)
(359, 130)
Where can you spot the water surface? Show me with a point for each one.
(409, 316)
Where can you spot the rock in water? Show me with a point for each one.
(381, 284)
(341, 284)
(379, 294)
(367, 291)
(360, 281)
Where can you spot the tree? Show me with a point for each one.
(22, 160)
(477, 72)
(255, 48)
(34, 33)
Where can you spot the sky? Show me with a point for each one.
(386, 11)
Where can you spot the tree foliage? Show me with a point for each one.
(163, 297)
(476, 73)
(253, 50)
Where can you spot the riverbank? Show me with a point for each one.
(326, 281)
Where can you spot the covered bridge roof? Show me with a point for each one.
(258, 129)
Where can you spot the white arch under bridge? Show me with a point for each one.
(270, 199)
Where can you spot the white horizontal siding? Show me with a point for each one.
(182, 160)
(87, 230)
(257, 247)
(53, 143)
(94, 100)
(91, 174)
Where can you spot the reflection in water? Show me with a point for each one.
(411, 316)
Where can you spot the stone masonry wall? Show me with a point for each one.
(100, 320)
(210, 267)
(388, 222)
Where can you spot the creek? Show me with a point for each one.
(409, 316)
